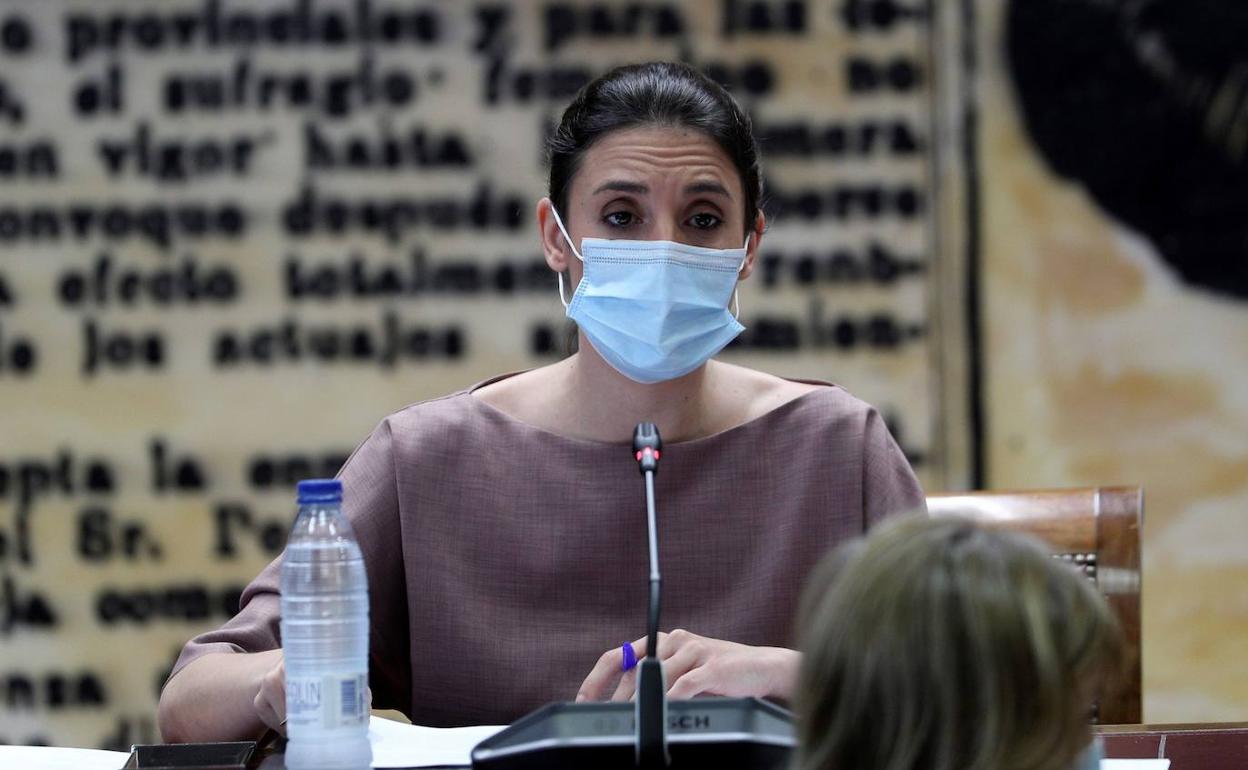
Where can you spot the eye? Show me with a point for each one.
(620, 218)
(704, 221)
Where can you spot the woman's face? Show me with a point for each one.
(650, 183)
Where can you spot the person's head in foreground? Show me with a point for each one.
(938, 644)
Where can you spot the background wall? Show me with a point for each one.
(233, 236)
(1112, 148)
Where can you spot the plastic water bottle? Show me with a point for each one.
(325, 635)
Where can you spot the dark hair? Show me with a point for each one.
(655, 93)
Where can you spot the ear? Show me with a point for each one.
(554, 247)
(751, 249)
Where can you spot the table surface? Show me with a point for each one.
(1204, 746)
(1217, 746)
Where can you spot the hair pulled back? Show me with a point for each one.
(659, 94)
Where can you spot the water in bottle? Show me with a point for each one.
(325, 636)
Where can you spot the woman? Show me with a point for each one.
(936, 644)
(501, 526)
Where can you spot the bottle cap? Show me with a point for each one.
(319, 491)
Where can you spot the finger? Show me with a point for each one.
(271, 699)
(268, 714)
(694, 683)
(686, 659)
(640, 645)
(670, 644)
(678, 651)
(667, 644)
(627, 686)
(277, 693)
(263, 710)
(601, 675)
(605, 671)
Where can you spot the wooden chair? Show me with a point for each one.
(1098, 530)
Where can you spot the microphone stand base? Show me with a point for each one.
(744, 733)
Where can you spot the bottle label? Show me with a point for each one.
(327, 702)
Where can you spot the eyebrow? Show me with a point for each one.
(620, 185)
(714, 188)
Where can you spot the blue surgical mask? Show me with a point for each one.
(1090, 757)
(654, 310)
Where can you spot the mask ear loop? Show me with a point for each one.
(568, 238)
(736, 301)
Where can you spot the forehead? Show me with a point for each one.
(657, 156)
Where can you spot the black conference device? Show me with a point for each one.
(652, 733)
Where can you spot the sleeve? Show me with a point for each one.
(889, 485)
(370, 501)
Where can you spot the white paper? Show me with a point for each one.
(398, 745)
(1135, 764)
(57, 758)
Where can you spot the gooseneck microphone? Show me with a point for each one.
(651, 700)
(651, 733)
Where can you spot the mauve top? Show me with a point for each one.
(504, 559)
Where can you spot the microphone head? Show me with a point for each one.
(646, 446)
(646, 434)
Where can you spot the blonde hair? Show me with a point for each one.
(936, 643)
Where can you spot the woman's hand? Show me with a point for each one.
(697, 665)
(270, 701)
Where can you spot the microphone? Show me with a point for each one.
(745, 733)
(651, 699)
(646, 446)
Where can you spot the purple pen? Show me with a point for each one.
(630, 657)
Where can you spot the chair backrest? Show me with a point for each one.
(1097, 529)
